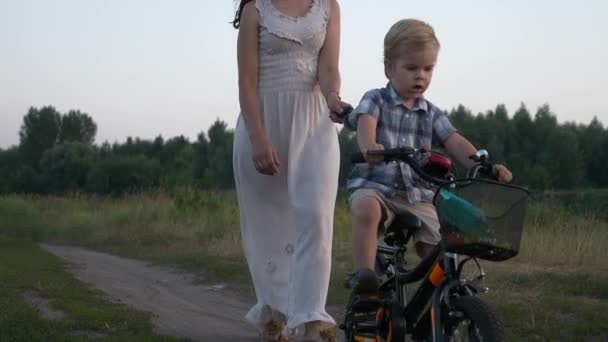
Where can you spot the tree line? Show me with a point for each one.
(56, 153)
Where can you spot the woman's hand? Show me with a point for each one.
(338, 109)
(371, 159)
(265, 158)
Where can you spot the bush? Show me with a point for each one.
(119, 175)
(65, 166)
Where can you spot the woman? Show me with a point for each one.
(286, 160)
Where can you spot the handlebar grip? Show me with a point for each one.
(357, 158)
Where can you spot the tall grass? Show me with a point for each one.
(191, 222)
(555, 237)
(186, 226)
(561, 261)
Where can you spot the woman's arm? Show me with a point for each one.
(247, 58)
(328, 71)
(265, 158)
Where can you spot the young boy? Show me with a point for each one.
(399, 116)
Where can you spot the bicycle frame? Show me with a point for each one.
(442, 277)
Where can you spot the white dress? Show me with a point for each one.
(287, 220)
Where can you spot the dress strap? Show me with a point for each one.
(261, 5)
(283, 26)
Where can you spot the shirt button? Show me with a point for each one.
(270, 267)
(396, 185)
(289, 249)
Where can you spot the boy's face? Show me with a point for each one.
(411, 73)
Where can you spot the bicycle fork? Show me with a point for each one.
(429, 297)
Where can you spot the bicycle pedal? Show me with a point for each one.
(364, 339)
(368, 326)
(365, 303)
(362, 317)
(457, 314)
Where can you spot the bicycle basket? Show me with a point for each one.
(481, 218)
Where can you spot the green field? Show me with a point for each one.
(556, 289)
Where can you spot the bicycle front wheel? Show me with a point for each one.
(471, 319)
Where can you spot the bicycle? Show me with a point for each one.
(479, 219)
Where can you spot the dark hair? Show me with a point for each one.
(237, 16)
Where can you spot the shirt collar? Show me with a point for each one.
(394, 100)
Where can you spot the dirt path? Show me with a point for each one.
(179, 307)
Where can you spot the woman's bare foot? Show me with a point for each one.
(319, 331)
(274, 331)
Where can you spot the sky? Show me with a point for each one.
(144, 68)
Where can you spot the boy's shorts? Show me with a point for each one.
(391, 207)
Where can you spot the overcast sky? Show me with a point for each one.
(147, 67)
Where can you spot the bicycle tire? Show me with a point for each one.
(394, 324)
(480, 318)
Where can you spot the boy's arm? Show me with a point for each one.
(370, 105)
(461, 149)
(366, 138)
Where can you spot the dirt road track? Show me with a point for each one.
(180, 308)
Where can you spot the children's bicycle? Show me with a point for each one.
(480, 219)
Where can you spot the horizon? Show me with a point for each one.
(193, 138)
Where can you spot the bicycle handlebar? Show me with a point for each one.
(404, 154)
(388, 154)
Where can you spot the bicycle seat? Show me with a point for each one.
(401, 229)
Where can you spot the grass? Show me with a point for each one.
(25, 269)
(584, 202)
(549, 305)
(555, 289)
(187, 228)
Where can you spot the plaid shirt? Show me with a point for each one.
(398, 126)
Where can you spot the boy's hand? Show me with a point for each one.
(373, 160)
(504, 175)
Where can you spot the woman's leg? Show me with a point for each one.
(265, 221)
(313, 184)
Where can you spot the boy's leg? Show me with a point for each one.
(366, 212)
(428, 236)
(423, 249)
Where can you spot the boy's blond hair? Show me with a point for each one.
(408, 35)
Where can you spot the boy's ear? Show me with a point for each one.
(388, 68)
